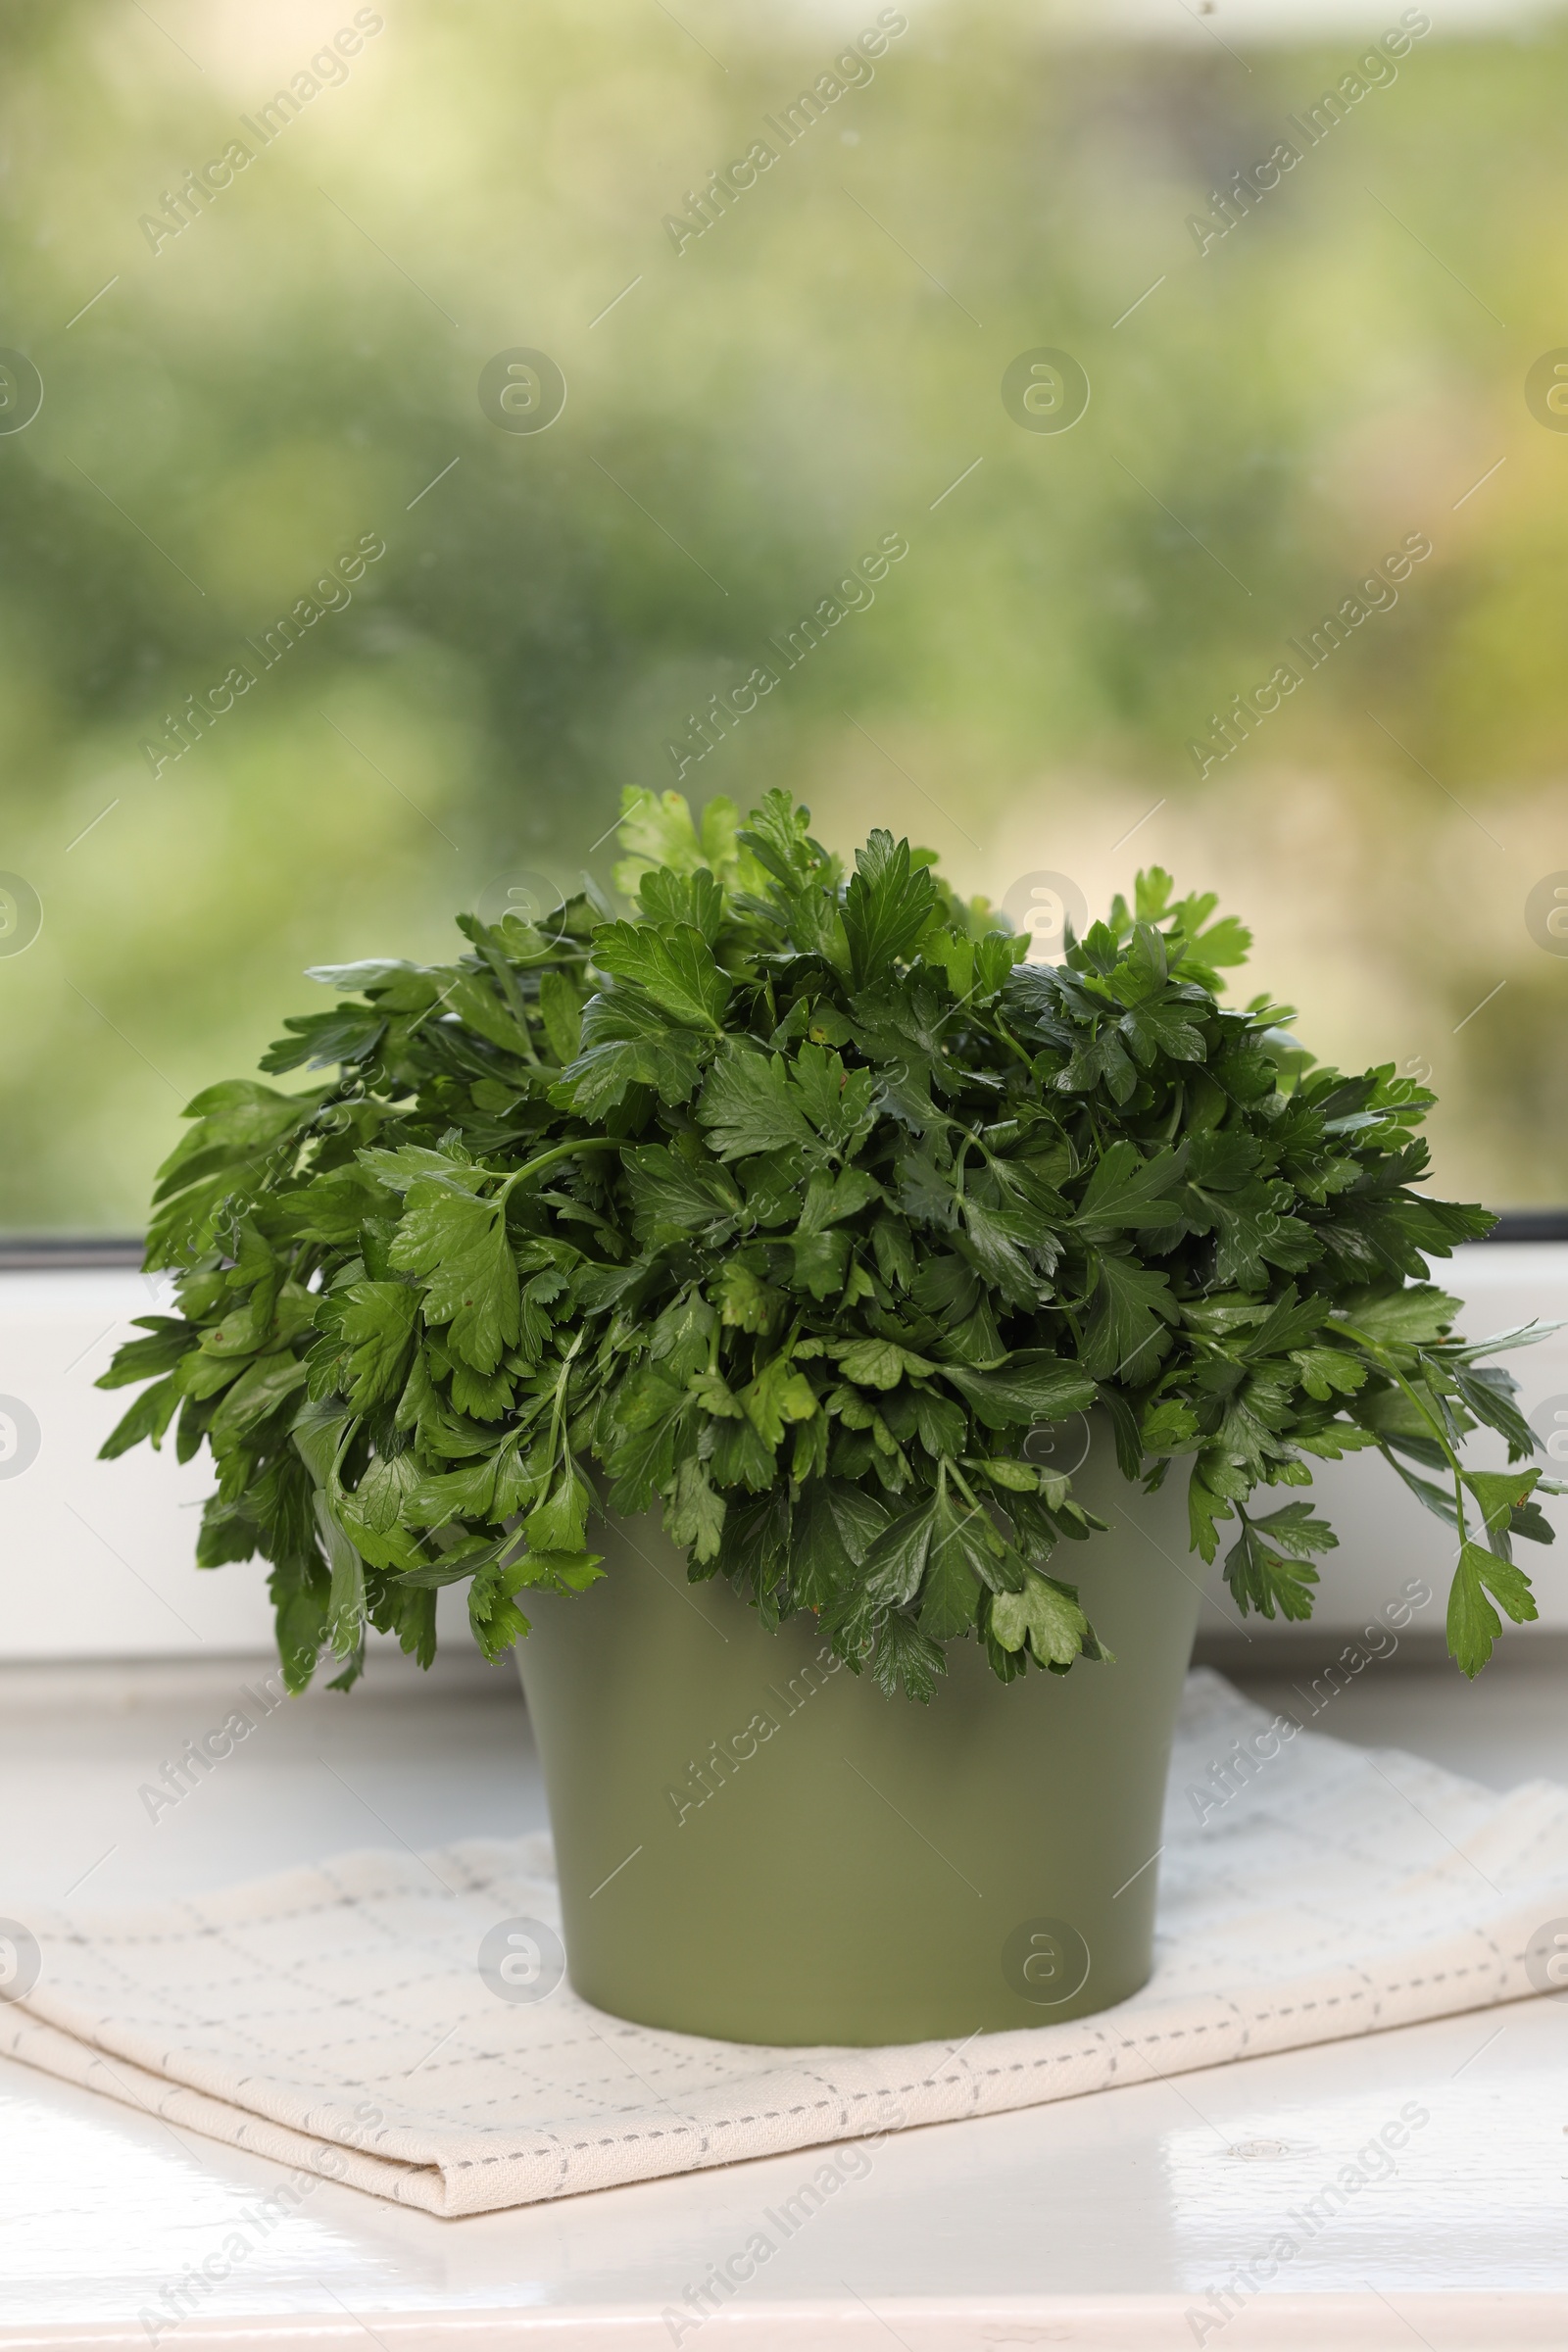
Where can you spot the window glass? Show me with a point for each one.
(1079, 439)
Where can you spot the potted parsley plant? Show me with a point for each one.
(833, 1334)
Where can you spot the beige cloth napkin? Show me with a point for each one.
(336, 2018)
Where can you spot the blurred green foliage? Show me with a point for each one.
(755, 411)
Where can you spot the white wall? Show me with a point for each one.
(96, 1558)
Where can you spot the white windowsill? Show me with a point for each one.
(1097, 2222)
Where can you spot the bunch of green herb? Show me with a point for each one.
(791, 1205)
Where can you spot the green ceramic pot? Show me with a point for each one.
(756, 1844)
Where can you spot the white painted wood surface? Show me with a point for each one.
(1105, 2222)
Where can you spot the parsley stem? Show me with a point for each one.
(949, 1466)
(558, 1402)
(548, 1159)
(1000, 1031)
(1392, 1373)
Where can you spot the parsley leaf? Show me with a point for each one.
(458, 1244)
(785, 1202)
(1474, 1625)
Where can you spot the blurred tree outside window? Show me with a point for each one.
(417, 424)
